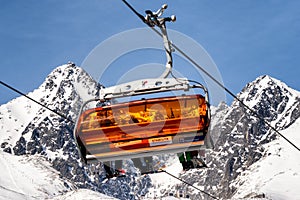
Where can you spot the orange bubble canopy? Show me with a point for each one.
(142, 128)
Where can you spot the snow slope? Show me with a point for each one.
(32, 177)
(83, 194)
(14, 117)
(29, 178)
(277, 175)
(161, 182)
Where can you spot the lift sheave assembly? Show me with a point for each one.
(165, 124)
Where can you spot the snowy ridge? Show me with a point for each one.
(14, 116)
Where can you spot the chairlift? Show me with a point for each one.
(107, 131)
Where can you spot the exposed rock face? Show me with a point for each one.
(242, 135)
(217, 120)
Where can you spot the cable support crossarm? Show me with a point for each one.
(44, 106)
(214, 79)
(189, 184)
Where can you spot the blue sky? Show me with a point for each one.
(245, 39)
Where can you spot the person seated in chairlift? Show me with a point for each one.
(186, 161)
(102, 104)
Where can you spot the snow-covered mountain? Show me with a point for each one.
(245, 148)
(58, 92)
(245, 142)
(29, 129)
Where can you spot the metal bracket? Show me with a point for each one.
(144, 86)
(153, 19)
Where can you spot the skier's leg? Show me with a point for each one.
(189, 162)
(182, 160)
(108, 169)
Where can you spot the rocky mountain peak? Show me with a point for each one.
(265, 87)
(68, 82)
(272, 99)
